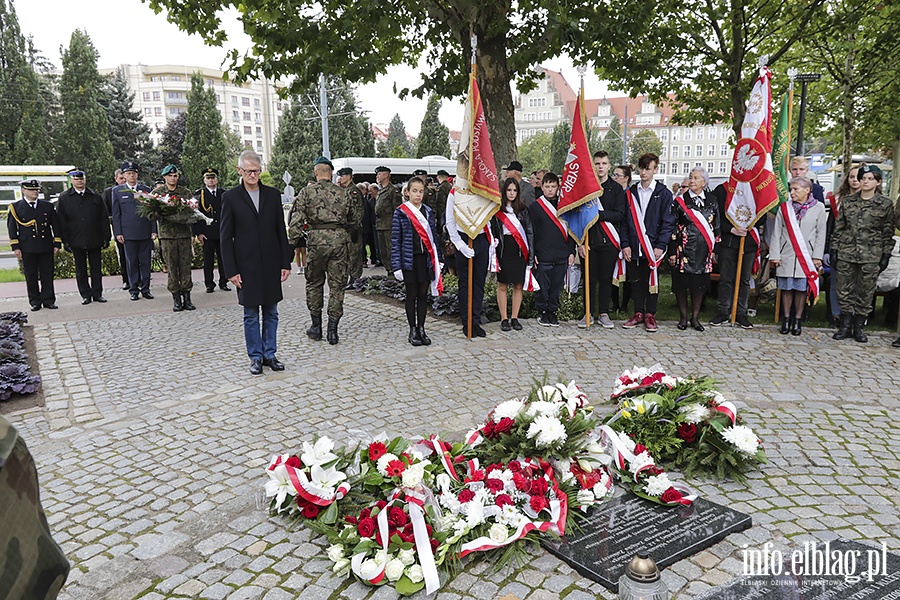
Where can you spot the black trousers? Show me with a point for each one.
(123, 264)
(551, 278)
(212, 252)
(83, 258)
(728, 258)
(368, 242)
(38, 268)
(639, 278)
(601, 265)
(479, 274)
(137, 253)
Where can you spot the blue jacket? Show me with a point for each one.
(403, 238)
(126, 221)
(659, 220)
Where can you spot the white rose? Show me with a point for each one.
(341, 567)
(407, 557)
(498, 533)
(394, 570)
(368, 569)
(413, 475)
(335, 552)
(414, 572)
(585, 497)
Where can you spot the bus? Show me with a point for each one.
(401, 168)
(12, 175)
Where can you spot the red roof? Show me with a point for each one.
(566, 94)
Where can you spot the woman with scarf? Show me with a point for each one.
(690, 252)
(792, 279)
(511, 227)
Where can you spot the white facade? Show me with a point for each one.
(540, 110)
(251, 110)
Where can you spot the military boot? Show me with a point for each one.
(315, 330)
(844, 331)
(414, 338)
(426, 341)
(177, 305)
(332, 331)
(859, 332)
(188, 305)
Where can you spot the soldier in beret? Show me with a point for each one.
(209, 200)
(388, 200)
(84, 228)
(354, 249)
(34, 236)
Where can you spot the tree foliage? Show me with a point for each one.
(84, 134)
(169, 149)
(534, 152)
(14, 79)
(644, 141)
(129, 135)
(609, 140)
(397, 144)
(204, 141)
(434, 136)
(559, 146)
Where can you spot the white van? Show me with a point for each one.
(401, 168)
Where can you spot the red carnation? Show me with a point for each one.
(514, 466)
(538, 503)
(494, 467)
(377, 450)
(478, 475)
(502, 500)
(293, 462)
(310, 511)
(466, 495)
(505, 425)
(539, 486)
(670, 495)
(395, 468)
(687, 432)
(396, 517)
(493, 484)
(638, 448)
(366, 527)
(522, 483)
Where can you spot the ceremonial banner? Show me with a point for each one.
(579, 187)
(781, 151)
(476, 188)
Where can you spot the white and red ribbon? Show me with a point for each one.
(304, 487)
(644, 241)
(801, 251)
(699, 222)
(551, 212)
(756, 259)
(728, 409)
(420, 224)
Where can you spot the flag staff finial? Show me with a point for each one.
(581, 71)
(762, 61)
(473, 42)
(792, 75)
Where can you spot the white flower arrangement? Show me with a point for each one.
(742, 438)
(547, 431)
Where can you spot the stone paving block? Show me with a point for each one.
(191, 587)
(217, 591)
(250, 592)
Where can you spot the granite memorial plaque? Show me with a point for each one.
(615, 531)
(838, 570)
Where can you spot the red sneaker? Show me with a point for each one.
(634, 321)
(650, 323)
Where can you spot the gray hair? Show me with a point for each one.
(801, 181)
(249, 156)
(703, 174)
(117, 173)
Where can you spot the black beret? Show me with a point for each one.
(344, 171)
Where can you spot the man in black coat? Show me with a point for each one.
(119, 178)
(84, 228)
(34, 236)
(209, 199)
(257, 258)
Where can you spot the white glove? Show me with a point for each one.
(496, 242)
(467, 252)
(398, 275)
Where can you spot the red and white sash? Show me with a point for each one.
(801, 250)
(699, 221)
(610, 230)
(644, 241)
(754, 233)
(420, 224)
(512, 223)
(551, 212)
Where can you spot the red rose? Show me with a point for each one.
(365, 513)
(505, 425)
(502, 500)
(293, 462)
(377, 450)
(687, 432)
(522, 483)
(466, 495)
(407, 537)
(539, 486)
(310, 511)
(381, 504)
(638, 448)
(488, 430)
(434, 544)
(351, 520)
(395, 468)
(366, 527)
(429, 529)
(538, 503)
(493, 484)
(494, 467)
(514, 466)
(478, 475)
(653, 470)
(670, 495)
(408, 528)
(396, 517)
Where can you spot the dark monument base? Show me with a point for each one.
(804, 578)
(615, 531)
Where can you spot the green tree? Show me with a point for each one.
(434, 136)
(644, 141)
(230, 177)
(169, 149)
(129, 135)
(84, 134)
(17, 84)
(397, 138)
(204, 141)
(34, 139)
(559, 146)
(297, 143)
(534, 152)
(609, 140)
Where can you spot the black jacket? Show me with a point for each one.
(524, 217)
(33, 230)
(211, 206)
(728, 239)
(550, 245)
(615, 211)
(83, 220)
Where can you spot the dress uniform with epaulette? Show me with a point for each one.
(34, 236)
(209, 200)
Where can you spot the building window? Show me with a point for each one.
(687, 134)
(235, 115)
(546, 116)
(675, 134)
(726, 131)
(723, 166)
(245, 101)
(534, 102)
(674, 168)
(723, 149)
(699, 152)
(248, 143)
(148, 111)
(146, 96)
(711, 150)
(647, 107)
(248, 130)
(246, 116)
(529, 116)
(664, 135)
(176, 77)
(236, 128)
(210, 82)
(218, 98)
(154, 78)
(604, 110)
(662, 168)
(234, 100)
(157, 96)
(258, 117)
(259, 145)
(687, 150)
(175, 95)
(699, 133)
(157, 112)
(259, 131)
(687, 168)
(256, 103)
(709, 167)
(712, 132)
(662, 153)
(674, 151)
(278, 106)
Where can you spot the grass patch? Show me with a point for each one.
(10, 275)
(5, 248)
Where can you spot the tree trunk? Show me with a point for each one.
(493, 81)
(895, 176)
(848, 126)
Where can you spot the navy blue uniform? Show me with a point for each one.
(35, 232)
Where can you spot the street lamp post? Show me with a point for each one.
(804, 79)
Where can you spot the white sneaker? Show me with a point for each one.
(581, 323)
(605, 321)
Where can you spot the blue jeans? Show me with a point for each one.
(260, 346)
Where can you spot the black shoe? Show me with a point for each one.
(554, 321)
(126, 286)
(544, 320)
(697, 326)
(504, 325)
(177, 302)
(332, 334)
(147, 295)
(188, 305)
(477, 331)
(35, 307)
(786, 324)
(135, 296)
(210, 289)
(414, 338)
(273, 363)
(859, 332)
(719, 320)
(796, 326)
(682, 325)
(85, 301)
(256, 367)
(315, 330)
(426, 341)
(514, 323)
(51, 306)
(896, 343)
(224, 287)
(100, 299)
(744, 323)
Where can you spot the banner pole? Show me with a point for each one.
(737, 280)
(470, 268)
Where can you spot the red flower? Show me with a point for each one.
(310, 511)
(365, 513)
(653, 470)
(434, 544)
(351, 520)
(538, 503)
(407, 537)
(396, 517)
(539, 486)
(366, 527)
(395, 468)
(687, 432)
(670, 495)
(293, 462)
(466, 495)
(429, 529)
(494, 467)
(488, 430)
(638, 448)
(523, 484)
(502, 500)
(514, 466)
(478, 475)
(493, 484)
(408, 528)
(381, 504)
(377, 450)
(505, 425)
(585, 480)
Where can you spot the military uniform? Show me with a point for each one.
(440, 202)
(35, 232)
(175, 243)
(354, 247)
(210, 204)
(388, 200)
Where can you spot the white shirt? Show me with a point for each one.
(644, 194)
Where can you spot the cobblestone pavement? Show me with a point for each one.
(152, 443)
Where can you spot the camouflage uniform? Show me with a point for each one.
(32, 565)
(175, 243)
(389, 199)
(863, 232)
(328, 214)
(354, 247)
(440, 202)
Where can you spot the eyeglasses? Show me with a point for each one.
(251, 171)
(682, 187)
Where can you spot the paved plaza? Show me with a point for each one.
(153, 440)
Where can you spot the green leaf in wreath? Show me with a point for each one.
(329, 517)
(405, 586)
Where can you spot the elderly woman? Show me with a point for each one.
(792, 279)
(696, 232)
(861, 246)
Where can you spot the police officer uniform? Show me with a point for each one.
(387, 201)
(209, 202)
(137, 233)
(33, 228)
(84, 228)
(354, 248)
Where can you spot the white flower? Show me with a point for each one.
(475, 513)
(507, 410)
(279, 485)
(382, 463)
(669, 381)
(414, 572)
(657, 484)
(562, 467)
(543, 409)
(498, 533)
(549, 393)
(443, 482)
(640, 461)
(407, 557)
(413, 475)
(394, 570)
(511, 516)
(327, 479)
(335, 552)
(547, 431)
(341, 567)
(319, 453)
(601, 488)
(627, 441)
(574, 397)
(585, 497)
(370, 568)
(743, 438)
(694, 413)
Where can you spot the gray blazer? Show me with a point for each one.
(812, 226)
